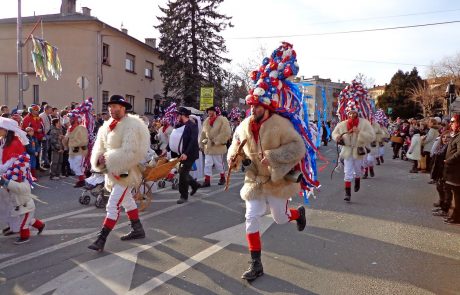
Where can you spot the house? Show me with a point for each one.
(111, 60)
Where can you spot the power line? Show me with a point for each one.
(376, 61)
(386, 16)
(349, 32)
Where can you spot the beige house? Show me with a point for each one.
(112, 61)
(375, 92)
(313, 88)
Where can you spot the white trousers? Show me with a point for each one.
(216, 160)
(119, 196)
(255, 209)
(26, 220)
(381, 151)
(352, 168)
(369, 160)
(76, 164)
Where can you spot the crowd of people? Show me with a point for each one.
(433, 146)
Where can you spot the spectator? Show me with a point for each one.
(415, 150)
(46, 118)
(33, 120)
(33, 149)
(66, 171)
(429, 140)
(5, 111)
(452, 168)
(57, 149)
(445, 197)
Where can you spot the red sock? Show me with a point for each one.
(109, 223)
(207, 178)
(81, 177)
(254, 241)
(25, 233)
(294, 214)
(222, 175)
(133, 214)
(38, 224)
(347, 184)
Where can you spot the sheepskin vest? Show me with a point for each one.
(78, 138)
(352, 141)
(282, 146)
(124, 148)
(213, 140)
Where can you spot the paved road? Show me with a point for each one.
(384, 242)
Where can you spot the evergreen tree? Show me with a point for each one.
(191, 48)
(398, 94)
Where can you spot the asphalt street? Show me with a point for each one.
(384, 242)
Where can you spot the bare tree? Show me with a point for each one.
(427, 96)
(368, 82)
(251, 64)
(447, 69)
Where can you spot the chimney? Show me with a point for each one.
(68, 7)
(124, 31)
(152, 42)
(86, 11)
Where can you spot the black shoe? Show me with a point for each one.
(371, 171)
(137, 231)
(440, 213)
(41, 229)
(378, 161)
(99, 244)
(381, 160)
(206, 184)
(194, 189)
(302, 220)
(20, 241)
(365, 176)
(221, 181)
(47, 166)
(436, 209)
(357, 184)
(181, 201)
(394, 157)
(6, 229)
(437, 204)
(80, 183)
(255, 269)
(347, 194)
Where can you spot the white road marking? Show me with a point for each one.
(69, 214)
(5, 255)
(68, 231)
(111, 274)
(89, 215)
(77, 240)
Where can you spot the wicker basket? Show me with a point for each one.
(397, 139)
(160, 171)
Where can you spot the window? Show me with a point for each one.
(129, 62)
(105, 54)
(149, 70)
(36, 94)
(130, 99)
(105, 98)
(148, 105)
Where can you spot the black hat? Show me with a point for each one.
(118, 99)
(183, 111)
(211, 108)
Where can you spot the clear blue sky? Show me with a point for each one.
(376, 54)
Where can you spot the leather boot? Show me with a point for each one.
(371, 171)
(99, 244)
(221, 181)
(255, 269)
(381, 160)
(357, 184)
(365, 175)
(377, 160)
(206, 183)
(347, 194)
(302, 220)
(137, 231)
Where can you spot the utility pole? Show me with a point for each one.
(19, 48)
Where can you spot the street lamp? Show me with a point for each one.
(450, 95)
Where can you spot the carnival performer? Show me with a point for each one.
(17, 179)
(122, 142)
(213, 142)
(353, 133)
(164, 133)
(382, 137)
(374, 150)
(76, 139)
(274, 148)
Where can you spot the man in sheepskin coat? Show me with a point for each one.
(122, 142)
(353, 134)
(213, 142)
(76, 139)
(374, 153)
(274, 148)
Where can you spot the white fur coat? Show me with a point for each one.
(282, 146)
(364, 137)
(124, 148)
(213, 140)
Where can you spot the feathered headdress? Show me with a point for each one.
(170, 115)
(19, 170)
(273, 90)
(354, 97)
(381, 118)
(235, 113)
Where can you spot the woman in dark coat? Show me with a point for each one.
(437, 174)
(452, 169)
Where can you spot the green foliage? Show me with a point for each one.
(191, 48)
(397, 94)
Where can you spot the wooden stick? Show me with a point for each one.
(239, 153)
